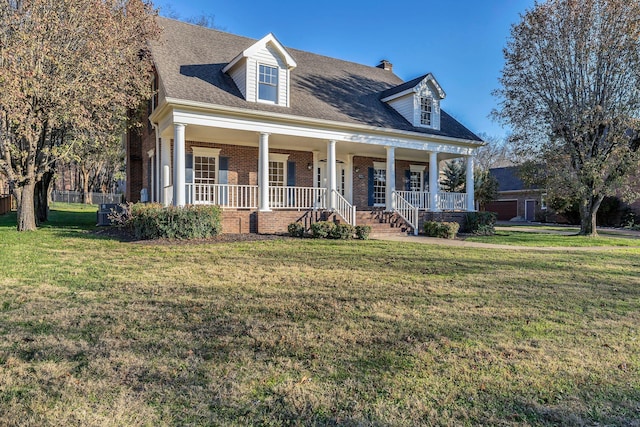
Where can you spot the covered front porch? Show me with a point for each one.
(303, 170)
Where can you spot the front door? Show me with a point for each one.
(341, 176)
(530, 210)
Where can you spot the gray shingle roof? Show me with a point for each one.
(509, 179)
(189, 60)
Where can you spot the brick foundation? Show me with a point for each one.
(239, 222)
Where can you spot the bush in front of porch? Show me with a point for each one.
(441, 229)
(153, 221)
(331, 230)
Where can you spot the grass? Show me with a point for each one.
(544, 238)
(288, 332)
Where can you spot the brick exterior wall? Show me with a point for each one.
(138, 143)
(239, 221)
(277, 221)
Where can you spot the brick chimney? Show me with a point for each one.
(385, 65)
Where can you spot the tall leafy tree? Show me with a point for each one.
(571, 93)
(67, 67)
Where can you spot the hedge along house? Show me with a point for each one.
(275, 135)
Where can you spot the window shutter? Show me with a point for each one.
(223, 170)
(425, 186)
(291, 174)
(407, 181)
(370, 202)
(188, 166)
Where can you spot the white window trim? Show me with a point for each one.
(419, 111)
(266, 101)
(419, 169)
(281, 158)
(205, 151)
(543, 202)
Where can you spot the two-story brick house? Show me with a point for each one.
(271, 133)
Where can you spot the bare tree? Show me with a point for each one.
(571, 93)
(67, 64)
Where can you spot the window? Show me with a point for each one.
(543, 201)
(379, 187)
(268, 83)
(276, 173)
(425, 111)
(205, 174)
(204, 170)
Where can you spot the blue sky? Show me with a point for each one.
(459, 41)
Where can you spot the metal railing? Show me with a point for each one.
(345, 209)
(77, 197)
(452, 201)
(406, 210)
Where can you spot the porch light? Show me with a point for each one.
(356, 169)
(309, 166)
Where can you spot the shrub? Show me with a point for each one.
(342, 232)
(152, 221)
(444, 230)
(322, 229)
(363, 231)
(482, 223)
(296, 229)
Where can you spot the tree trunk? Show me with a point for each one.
(41, 198)
(86, 196)
(588, 210)
(26, 207)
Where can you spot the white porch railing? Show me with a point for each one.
(297, 198)
(224, 195)
(419, 199)
(406, 210)
(345, 209)
(452, 201)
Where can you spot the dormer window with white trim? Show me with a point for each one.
(268, 83)
(418, 101)
(262, 72)
(426, 109)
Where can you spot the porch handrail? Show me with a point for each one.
(407, 211)
(297, 197)
(223, 195)
(345, 209)
(419, 199)
(452, 201)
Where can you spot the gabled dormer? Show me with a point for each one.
(262, 72)
(418, 101)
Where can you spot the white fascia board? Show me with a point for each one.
(398, 95)
(434, 82)
(258, 121)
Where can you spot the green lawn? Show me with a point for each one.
(525, 238)
(100, 332)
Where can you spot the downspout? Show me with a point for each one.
(157, 180)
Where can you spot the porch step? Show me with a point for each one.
(382, 222)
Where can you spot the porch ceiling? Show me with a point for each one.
(276, 141)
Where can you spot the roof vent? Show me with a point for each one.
(385, 65)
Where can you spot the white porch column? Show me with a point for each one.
(154, 184)
(391, 179)
(179, 169)
(331, 174)
(471, 206)
(165, 154)
(349, 179)
(158, 167)
(263, 173)
(434, 184)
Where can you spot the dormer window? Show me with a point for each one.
(425, 111)
(262, 72)
(417, 100)
(268, 83)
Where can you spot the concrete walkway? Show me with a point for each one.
(524, 227)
